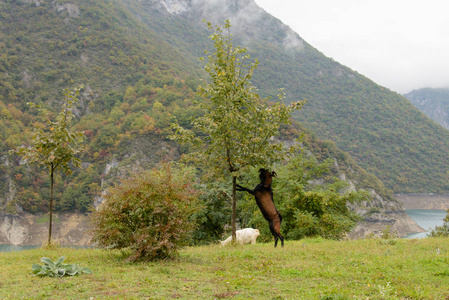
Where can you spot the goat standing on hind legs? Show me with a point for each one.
(264, 199)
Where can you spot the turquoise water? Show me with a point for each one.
(12, 248)
(427, 219)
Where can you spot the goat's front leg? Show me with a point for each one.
(244, 189)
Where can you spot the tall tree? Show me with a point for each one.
(55, 145)
(238, 129)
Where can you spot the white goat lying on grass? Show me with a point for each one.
(243, 236)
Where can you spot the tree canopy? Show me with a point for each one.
(238, 129)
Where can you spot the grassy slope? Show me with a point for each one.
(306, 269)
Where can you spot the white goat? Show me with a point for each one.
(243, 236)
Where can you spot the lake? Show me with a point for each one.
(12, 248)
(427, 219)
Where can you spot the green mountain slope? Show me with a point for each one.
(50, 46)
(383, 131)
(135, 82)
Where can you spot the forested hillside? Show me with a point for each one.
(134, 83)
(433, 102)
(139, 63)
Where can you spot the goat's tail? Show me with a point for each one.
(275, 228)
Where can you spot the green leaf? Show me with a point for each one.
(47, 261)
(36, 268)
(59, 262)
(86, 270)
(61, 272)
(43, 273)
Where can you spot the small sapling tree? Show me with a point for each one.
(238, 129)
(55, 145)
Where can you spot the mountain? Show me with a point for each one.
(433, 102)
(381, 129)
(112, 45)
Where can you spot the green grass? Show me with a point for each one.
(306, 269)
(46, 218)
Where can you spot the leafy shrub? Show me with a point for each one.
(214, 214)
(443, 230)
(58, 268)
(315, 202)
(312, 201)
(387, 233)
(149, 213)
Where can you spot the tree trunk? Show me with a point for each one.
(234, 205)
(51, 204)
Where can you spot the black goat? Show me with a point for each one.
(264, 199)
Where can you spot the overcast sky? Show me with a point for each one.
(400, 44)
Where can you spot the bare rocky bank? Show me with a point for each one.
(399, 222)
(379, 214)
(28, 229)
(73, 229)
(424, 201)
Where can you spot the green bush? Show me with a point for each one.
(443, 230)
(312, 200)
(149, 213)
(214, 214)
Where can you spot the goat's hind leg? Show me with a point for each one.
(276, 233)
(278, 237)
